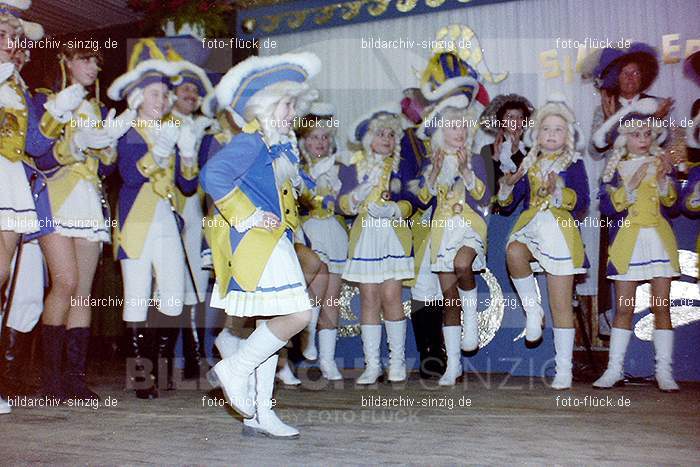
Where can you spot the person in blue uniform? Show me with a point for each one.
(254, 182)
(380, 252)
(156, 156)
(552, 185)
(639, 192)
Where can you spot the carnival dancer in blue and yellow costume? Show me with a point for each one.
(380, 252)
(551, 182)
(325, 230)
(75, 166)
(456, 247)
(638, 193)
(24, 203)
(20, 131)
(156, 157)
(253, 181)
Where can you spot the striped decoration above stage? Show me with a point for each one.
(289, 17)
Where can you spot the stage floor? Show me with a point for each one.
(496, 420)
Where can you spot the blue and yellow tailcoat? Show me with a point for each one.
(27, 134)
(472, 206)
(390, 182)
(64, 170)
(145, 184)
(575, 201)
(649, 210)
(240, 178)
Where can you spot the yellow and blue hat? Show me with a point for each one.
(254, 74)
(33, 31)
(389, 113)
(147, 65)
(447, 74)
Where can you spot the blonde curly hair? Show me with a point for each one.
(569, 153)
(620, 146)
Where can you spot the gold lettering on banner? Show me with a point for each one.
(669, 48)
(434, 3)
(272, 23)
(297, 18)
(378, 7)
(351, 9)
(691, 45)
(325, 14)
(550, 63)
(405, 6)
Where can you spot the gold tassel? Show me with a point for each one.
(62, 64)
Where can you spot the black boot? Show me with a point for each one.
(436, 361)
(167, 332)
(52, 345)
(139, 371)
(192, 342)
(427, 329)
(77, 340)
(15, 345)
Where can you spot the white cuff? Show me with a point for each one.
(504, 191)
(250, 222)
(664, 186)
(50, 107)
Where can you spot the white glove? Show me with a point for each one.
(117, 127)
(6, 70)
(135, 99)
(201, 124)
(65, 102)
(187, 143)
(470, 181)
(164, 144)
(95, 138)
(504, 157)
(9, 99)
(362, 192)
(504, 190)
(172, 98)
(390, 210)
(321, 167)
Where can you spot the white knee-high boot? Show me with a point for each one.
(371, 339)
(396, 335)
(564, 348)
(265, 422)
(663, 346)
(470, 322)
(614, 374)
(309, 351)
(452, 335)
(526, 288)
(326, 354)
(287, 376)
(233, 372)
(227, 343)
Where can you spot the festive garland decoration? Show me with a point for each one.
(210, 16)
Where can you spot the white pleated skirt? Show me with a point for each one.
(456, 234)
(17, 209)
(378, 255)
(545, 240)
(329, 240)
(649, 259)
(81, 215)
(281, 289)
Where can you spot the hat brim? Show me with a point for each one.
(388, 107)
(240, 75)
(124, 83)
